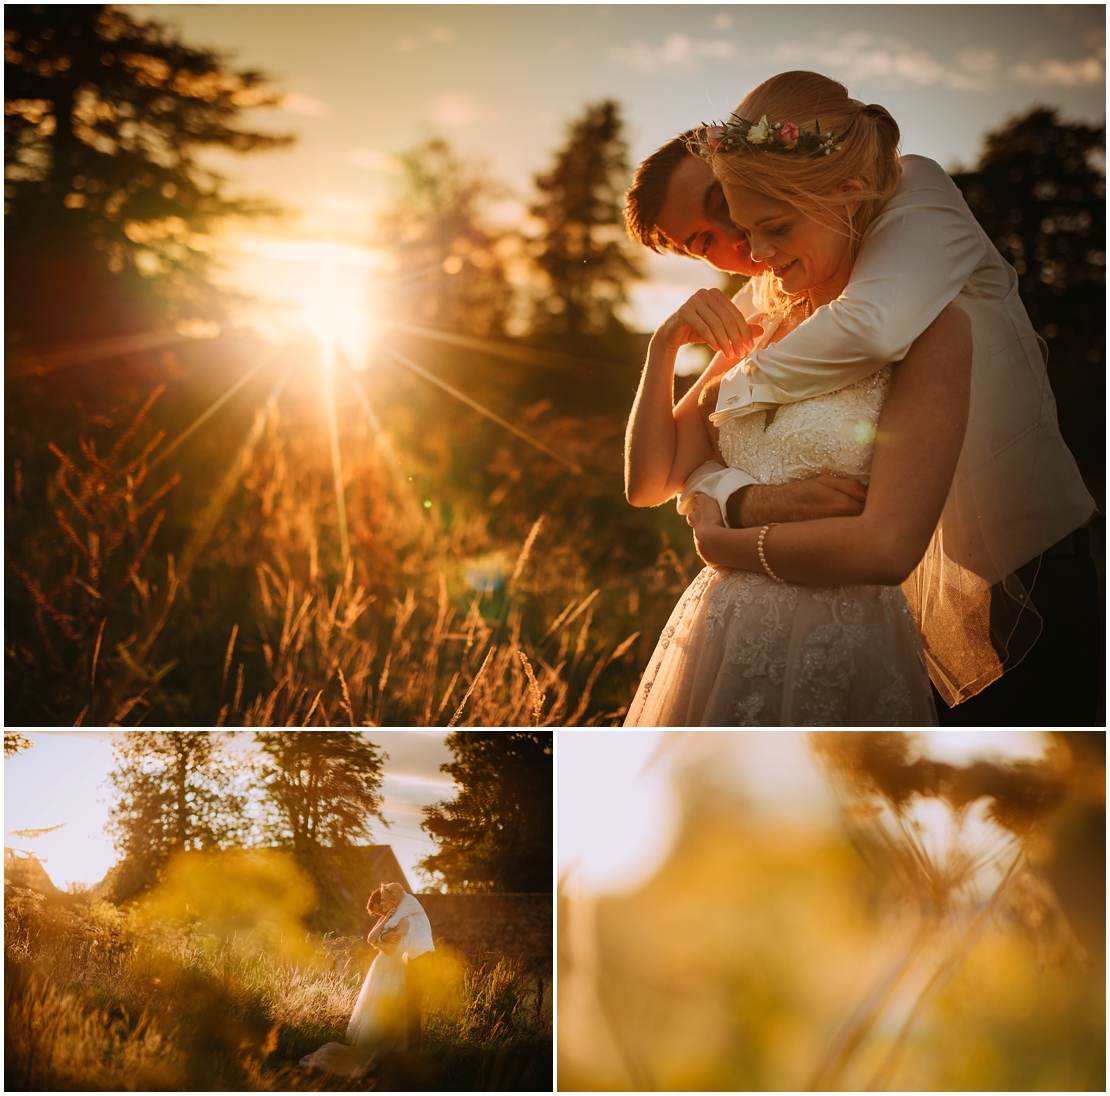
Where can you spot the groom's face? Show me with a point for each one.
(695, 218)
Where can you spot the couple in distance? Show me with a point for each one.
(871, 464)
(386, 1016)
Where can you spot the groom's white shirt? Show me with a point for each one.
(923, 251)
(418, 939)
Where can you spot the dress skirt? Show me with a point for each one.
(741, 650)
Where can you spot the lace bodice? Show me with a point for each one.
(833, 434)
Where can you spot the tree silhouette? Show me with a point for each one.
(1039, 192)
(323, 787)
(448, 265)
(174, 792)
(496, 834)
(582, 251)
(104, 116)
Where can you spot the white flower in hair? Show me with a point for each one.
(760, 133)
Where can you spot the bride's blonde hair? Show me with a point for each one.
(868, 140)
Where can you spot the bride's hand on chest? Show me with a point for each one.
(709, 317)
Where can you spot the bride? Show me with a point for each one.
(378, 1023)
(801, 624)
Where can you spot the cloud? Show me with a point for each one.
(438, 784)
(677, 51)
(460, 108)
(721, 21)
(861, 56)
(372, 159)
(434, 33)
(296, 103)
(1085, 72)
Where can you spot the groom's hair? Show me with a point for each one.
(648, 194)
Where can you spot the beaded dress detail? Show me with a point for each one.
(743, 650)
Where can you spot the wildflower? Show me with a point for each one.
(788, 135)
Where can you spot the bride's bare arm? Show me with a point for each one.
(921, 431)
(665, 441)
(378, 929)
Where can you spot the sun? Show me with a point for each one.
(337, 312)
(322, 287)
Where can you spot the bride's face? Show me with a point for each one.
(804, 254)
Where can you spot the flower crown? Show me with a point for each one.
(783, 138)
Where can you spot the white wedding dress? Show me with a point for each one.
(743, 650)
(378, 1023)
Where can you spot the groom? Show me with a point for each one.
(675, 204)
(395, 903)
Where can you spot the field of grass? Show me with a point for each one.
(471, 577)
(97, 998)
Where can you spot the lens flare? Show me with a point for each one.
(338, 315)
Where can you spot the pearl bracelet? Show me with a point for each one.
(762, 557)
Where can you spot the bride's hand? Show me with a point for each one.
(705, 519)
(709, 317)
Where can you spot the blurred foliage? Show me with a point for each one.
(221, 893)
(1039, 191)
(447, 266)
(765, 954)
(213, 984)
(103, 118)
(14, 742)
(494, 834)
(582, 250)
(174, 791)
(322, 787)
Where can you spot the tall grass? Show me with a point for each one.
(91, 1002)
(535, 602)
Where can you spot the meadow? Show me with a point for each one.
(168, 575)
(100, 998)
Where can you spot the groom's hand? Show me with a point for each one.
(390, 937)
(806, 500)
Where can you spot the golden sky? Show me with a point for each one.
(500, 82)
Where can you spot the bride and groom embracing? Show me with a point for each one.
(386, 1016)
(872, 463)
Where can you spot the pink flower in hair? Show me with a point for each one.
(713, 135)
(788, 135)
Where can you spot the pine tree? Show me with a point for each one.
(496, 834)
(582, 253)
(448, 264)
(104, 116)
(1039, 192)
(1041, 197)
(175, 791)
(322, 787)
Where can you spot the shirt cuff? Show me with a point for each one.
(714, 479)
